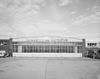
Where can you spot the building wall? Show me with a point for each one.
(5, 44)
(48, 46)
(93, 46)
(20, 54)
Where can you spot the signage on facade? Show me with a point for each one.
(93, 44)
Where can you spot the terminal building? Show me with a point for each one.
(93, 46)
(45, 46)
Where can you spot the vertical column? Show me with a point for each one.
(50, 48)
(10, 43)
(75, 49)
(19, 49)
(10, 47)
(83, 48)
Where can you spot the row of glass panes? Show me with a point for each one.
(79, 49)
(35, 43)
(27, 48)
(43, 41)
(69, 49)
(15, 48)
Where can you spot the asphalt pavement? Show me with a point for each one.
(49, 68)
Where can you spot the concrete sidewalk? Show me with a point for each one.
(49, 68)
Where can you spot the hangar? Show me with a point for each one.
(45, 46)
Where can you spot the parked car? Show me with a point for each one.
(93, 54)
(2, 53)
(98, 54)
(90, 53)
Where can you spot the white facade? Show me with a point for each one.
(48, 47)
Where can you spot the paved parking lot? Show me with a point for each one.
(49, 68)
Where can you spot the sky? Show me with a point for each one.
(68, 18)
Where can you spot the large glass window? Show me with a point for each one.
(69, 49)
(15, 48)
(24, 48)
(47, 48)
(79, 48)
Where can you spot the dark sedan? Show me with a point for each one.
(93, 54)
